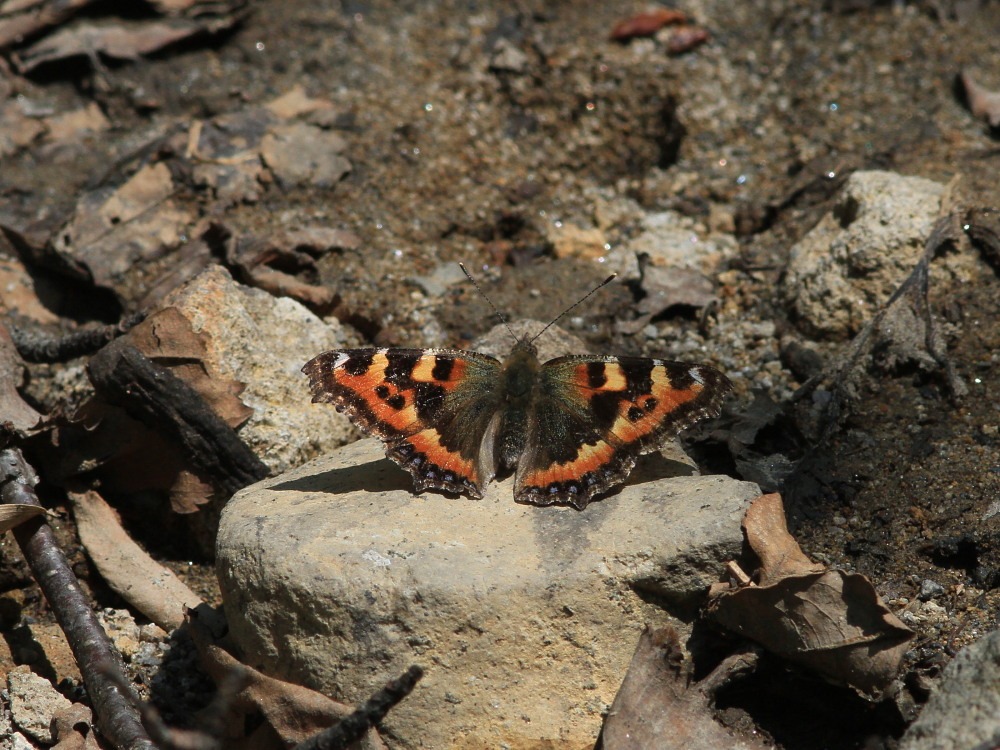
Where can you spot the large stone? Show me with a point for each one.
(964, 709)
(849, 264)
(336, 575)
(263, 341)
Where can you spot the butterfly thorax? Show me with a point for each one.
(519, 390)
(520, 372)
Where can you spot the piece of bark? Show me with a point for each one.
(39, 347)
(153, 395)
(130, 572)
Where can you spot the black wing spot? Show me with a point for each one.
(635, 414)
(650, 403)
(638, 375)
(442, 368)
(382, 392)
(596, 375)
(396, 401)
(605, 408)
(359, 363)
(399, 367)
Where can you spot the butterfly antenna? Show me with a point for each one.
(580, 301)
(480, 290)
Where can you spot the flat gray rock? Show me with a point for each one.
(336, 575)
(964, 710)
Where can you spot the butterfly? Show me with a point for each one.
(570, 428)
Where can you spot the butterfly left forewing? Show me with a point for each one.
(433, 408)
(607, 411)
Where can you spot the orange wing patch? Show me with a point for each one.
(387, 402)
(643, 415)
(589, 459)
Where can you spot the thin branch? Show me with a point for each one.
(91, 646)
(354, 725)
(36, 346)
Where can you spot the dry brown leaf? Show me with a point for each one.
(14, 514)
(827, 620)
(291, 713)
(659, 707)
(168, 338)
(14, 410)
(664, 288)
(113, 230)
(72, 125)
(26, 18)
(646, 24)
(300, 153)
(269, 262)
(983, 103)
(281, 284)
(18, 286)
(130, 456)
(128, 570)
(296, 102)
(124, 40)
(17, 130)
(224, 154)
(767, 534)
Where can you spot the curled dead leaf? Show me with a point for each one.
(658, 705)
(646, 24)
(830, 621)
(130, 572)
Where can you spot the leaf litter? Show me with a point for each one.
(826, 620)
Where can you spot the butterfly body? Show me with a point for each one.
(570, 428)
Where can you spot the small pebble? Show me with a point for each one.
(929, 589)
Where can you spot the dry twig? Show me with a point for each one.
(35, 346)
(372, 711)
(91, 647)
